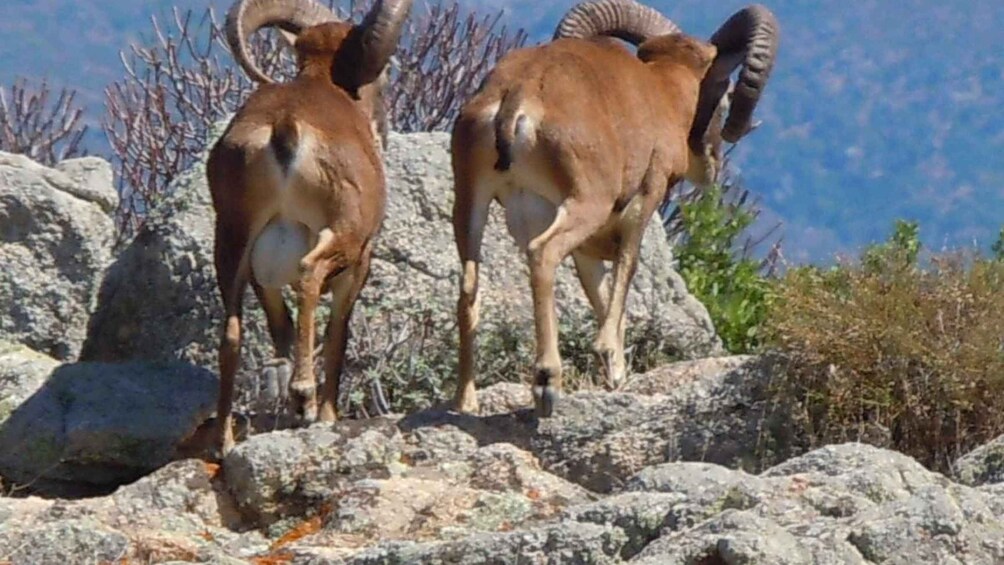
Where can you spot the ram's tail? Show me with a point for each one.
(285, 141)
(508, 121)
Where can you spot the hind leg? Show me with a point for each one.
(345, 289)
(609, 344)
(232, 276)
(279, 370)
(575, 221)
(471, 205)
(333, 253)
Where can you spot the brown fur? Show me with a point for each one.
(336, 188)
(600, 134)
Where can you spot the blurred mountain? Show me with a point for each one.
(877, 110)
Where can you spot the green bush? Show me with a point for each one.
(892, 344)
(730, 284)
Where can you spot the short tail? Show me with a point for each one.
(284, 142)
(507, 121)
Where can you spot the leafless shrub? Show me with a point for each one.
(32, 124)
(444, 56)
(182, 79)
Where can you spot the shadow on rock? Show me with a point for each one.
(92, 427)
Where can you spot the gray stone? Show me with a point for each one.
(733, 538)
(642, 516)
(22, 373)
(726, 417)
(171, 260)
(557, 544)
(93, 181)
(93, 426)
(281, 474)
(935, 525)
(65, 541)
(56, 239)
(984, 465)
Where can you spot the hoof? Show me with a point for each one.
(224, 438)
(303, 402)
(465, 403)
(328, 413)
(546, 392)
(544, 400)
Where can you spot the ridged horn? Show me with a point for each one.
(750, 38)
(624, 19)
(248, 16)
(380, 32)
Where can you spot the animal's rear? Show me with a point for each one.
(277, 251)
(571, 79)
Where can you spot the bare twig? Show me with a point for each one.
(32, 124)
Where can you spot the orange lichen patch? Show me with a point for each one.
(304, 529)
(212, 469)
(533, 494)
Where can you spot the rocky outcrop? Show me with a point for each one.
(77, 429)
(374, 492)
(414, 276)
(56, 238)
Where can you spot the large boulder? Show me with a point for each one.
(56, 238)
(414, 277)
(81, 428)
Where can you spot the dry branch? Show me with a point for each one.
(32, 126)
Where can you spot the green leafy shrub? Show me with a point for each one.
(890, 344)
(719, 273)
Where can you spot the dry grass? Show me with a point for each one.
(892, 346)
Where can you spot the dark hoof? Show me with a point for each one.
(303, 403)
(545, 393)
(544, 400)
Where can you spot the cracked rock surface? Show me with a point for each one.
(501, 487)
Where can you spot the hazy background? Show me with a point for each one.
(877, 110)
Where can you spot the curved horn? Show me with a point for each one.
(381, 31)
(624, 19)
(248, 16)
(749, 38)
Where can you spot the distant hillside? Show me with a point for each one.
(877, 110)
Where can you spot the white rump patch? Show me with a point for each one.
(275, 257)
